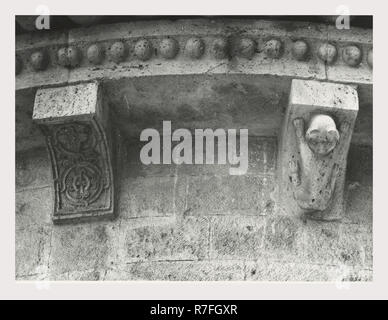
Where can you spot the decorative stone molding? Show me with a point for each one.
(194, 47)
(75, 123)
(314, 145)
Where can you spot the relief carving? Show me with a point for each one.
(314, 175)
(81, 167)
(313, 148)
(79, 150)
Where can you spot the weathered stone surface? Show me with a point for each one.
(148, 190)
(359, 186)
(180, 239)
(95, 54)
(361, 73)
(363, 128)
(70, 101)
(86, 20)
(32, 249)
(194, 48)
(257, 63)
(300, 50)
(336, 244)
(241, 237)
(27, 134)
(212, 195)
(18, 65)
(150, 196)
(180, 271)
(313, 149)
(281, 235)
(27, 22)
(269, 270)
(262, 153)
(285, 239)
(34, 207)
(273, 48)
(246, 48)
(237, 237)
(74, 121)
(69, 57)
(32, 169)
(80, 247)
(143, 49)
(169, 48)
(84, 275)
(352, 55)
(360, 165)
(359, 203)
(134, 168)
(199, 102)
(356, 274)
(220, 48)
(327, 52)
(171, 217)
(39, 60)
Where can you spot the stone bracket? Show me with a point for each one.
(75, 123)
(313, 149)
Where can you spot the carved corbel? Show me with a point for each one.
(75, 122)
(314, 144)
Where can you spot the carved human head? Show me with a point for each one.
(322, 135)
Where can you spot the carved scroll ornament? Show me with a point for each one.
(81, 160)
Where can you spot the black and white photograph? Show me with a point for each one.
(193, 160)
(194, 148)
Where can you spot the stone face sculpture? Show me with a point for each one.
(314, 175)
(313, 149)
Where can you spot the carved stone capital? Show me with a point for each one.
(75, 123)
(314, 144)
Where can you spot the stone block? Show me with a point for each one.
(214, 195)
(261, 160)
(70, 101)
(33, 207)
(266, 237)
(32, 249)
(85, 275)
(180, 271)
(179, 239)
(262, 155)
(281, 236)
(150, 196)
(270, 270)
(336, 244)
(237, 237)
(80, 247)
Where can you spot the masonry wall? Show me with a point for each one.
(193, 222)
